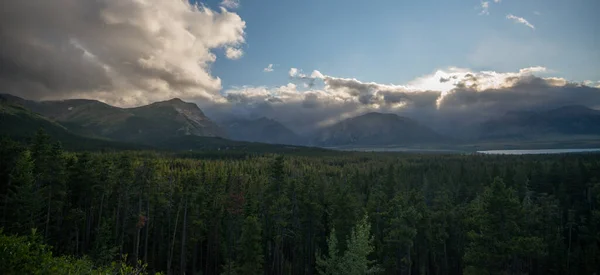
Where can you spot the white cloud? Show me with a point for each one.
(485, 8)
(232, 4)
(453, 93)
(122, 52)
(590, 83)
(531, 70)
(537, 13)
(317, 75)
(233, 53)
(520, 20)
(308, 80)
(268, 69)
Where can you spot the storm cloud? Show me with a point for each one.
(122, 52)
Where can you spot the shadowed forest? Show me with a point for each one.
(314, 213)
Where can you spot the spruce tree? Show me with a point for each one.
(251, 258)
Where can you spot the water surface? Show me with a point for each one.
(538, 151)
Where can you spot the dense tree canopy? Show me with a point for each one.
(325, 213)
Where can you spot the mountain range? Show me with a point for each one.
(374, 129)
(261, 130)
(146, 124)
(563, 122)
(175, 120)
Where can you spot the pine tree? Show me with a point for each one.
(360, 246)
(24, 198)
(251, 258)
(330, 264)
(355, 260)
(498, 242)
(403, 218)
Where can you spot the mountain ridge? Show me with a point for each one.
(262, 129)
(377, 129)
(569, 120)
(156, 121)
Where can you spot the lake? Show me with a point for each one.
(538, 151)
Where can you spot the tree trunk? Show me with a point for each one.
(122, 229)
(207, 256)
(100, 213)
(88, 229)
(48, 214)
(77, 241)
(117, 214)
(6, 200)
(195, 257)
(147, 231)
(183, 231)
(409, 261)
(136, 252)
(173, 240)
(445, 259)
(569, 250)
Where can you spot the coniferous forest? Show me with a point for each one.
(132, 212)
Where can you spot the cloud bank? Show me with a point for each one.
(122, 52)
(454, 94)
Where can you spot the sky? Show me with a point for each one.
(307, 63)
(395, 41)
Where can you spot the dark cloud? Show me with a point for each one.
(444, 80)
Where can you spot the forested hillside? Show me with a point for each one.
(327, 213)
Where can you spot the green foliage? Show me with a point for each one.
(499, 243)
(23, 198)
(332, 263)
(360, 246)
(270, 214)
(28, 255)
(251, 260)
(355, 259)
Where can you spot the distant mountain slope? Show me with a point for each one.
(146, 124)
(166, 119)
(19, 123)
(561, 122)
(261, 130)
(377, 129)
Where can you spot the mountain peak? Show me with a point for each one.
(177, 103)
(172, 101)
(176, 100)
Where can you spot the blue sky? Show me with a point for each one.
(393, 41)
